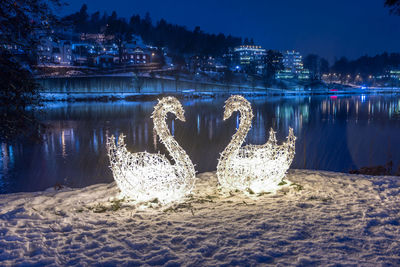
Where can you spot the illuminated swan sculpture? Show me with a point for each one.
(143, 176)
(256, 167)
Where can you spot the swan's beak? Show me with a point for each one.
(181, 117)
(228, 111)
(226, 115)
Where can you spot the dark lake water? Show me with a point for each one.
(336, 133)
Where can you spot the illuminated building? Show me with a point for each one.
(81, 53)
(49, 51)
(205, 64)
(246, 56)
(105, 61)
(98, 38)
(293, 67)
(304, 74)
(293, 61)
(284, 74)
(135, 54)
(394, 74)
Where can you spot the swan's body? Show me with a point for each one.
(256, 167)
(144, 176)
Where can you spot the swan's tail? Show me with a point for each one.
(285, 151)
(290, 145)
(120, 160)
(272, 137)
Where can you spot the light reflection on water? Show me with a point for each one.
(334, 133)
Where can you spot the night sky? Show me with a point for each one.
(330, 28)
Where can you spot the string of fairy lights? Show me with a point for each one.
(255, 167)
(144, 176)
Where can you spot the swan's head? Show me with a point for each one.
(179, 112)
(235, 103)
(170, 104)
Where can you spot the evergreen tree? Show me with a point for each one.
(273, 63)
(178, 39)
(21, 25)
(394, 6)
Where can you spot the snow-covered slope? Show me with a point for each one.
(321, 218)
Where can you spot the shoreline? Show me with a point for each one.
(111, 88)
(290, 172)
(188, 94)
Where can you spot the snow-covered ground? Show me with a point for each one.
(322, 218)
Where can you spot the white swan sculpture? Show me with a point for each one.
(256, 167)
(144, 176)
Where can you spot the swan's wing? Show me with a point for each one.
(283, 154)
(289, 145)
(249, 151)
(270, 151)
(119, 153)
(146, 159)
(261, 167)
(272, 137)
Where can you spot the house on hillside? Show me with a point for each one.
(135, 54)
(54, 52)
(104, 61)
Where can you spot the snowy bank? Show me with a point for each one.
(322, 218)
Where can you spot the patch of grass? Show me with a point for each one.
(179, 207)
(154, 201)
(297, 187)
(59, 213)
(326, 199)
(245, 203)
(79, 210)
(251, 192)
(282, 182)
(263, 193)
(116, 204)
(99, 208)
(202, 200)
(211, 197)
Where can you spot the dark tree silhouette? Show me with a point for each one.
(324, 66)
(273, 63)
(178, 39)
(18, 92)
(121, 31)
(21, 24)
(79, 19)
(367, 65)
(394, 6)
(316, 65)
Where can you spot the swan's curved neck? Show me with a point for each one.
(246, 116)
(175, 150)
